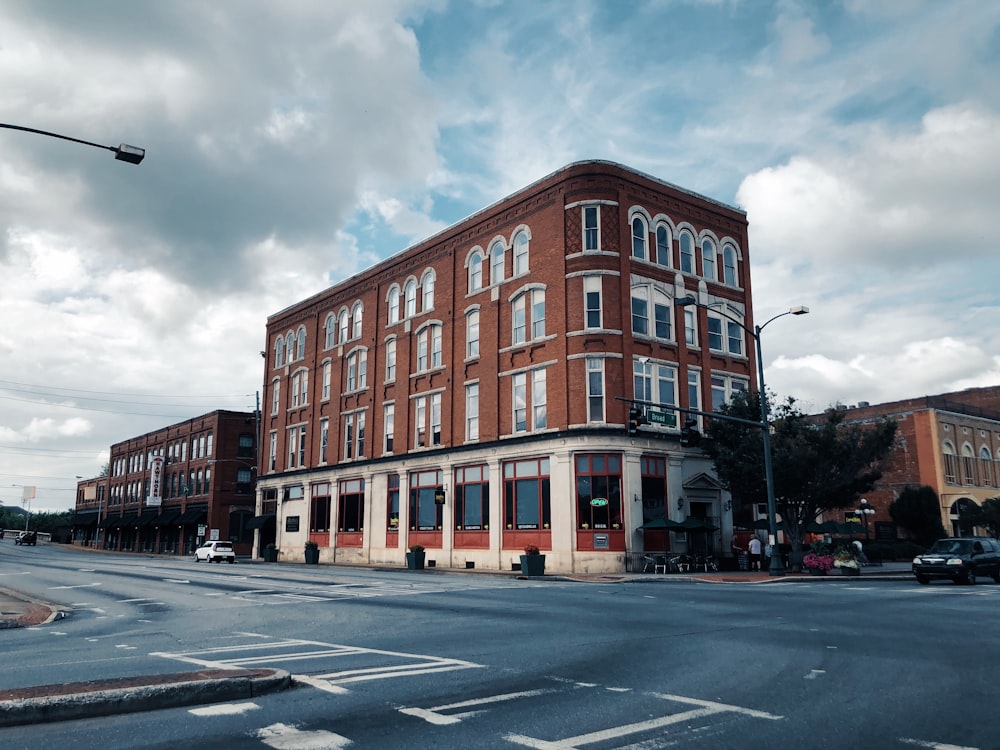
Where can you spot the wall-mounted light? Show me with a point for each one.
(636, 498)
(680, 503)
(728, 505)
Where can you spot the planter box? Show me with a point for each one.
(415, 560)
(270, 555)
(533, 565)
(850, 571)
(312, 556)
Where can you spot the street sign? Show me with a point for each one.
(665, 418)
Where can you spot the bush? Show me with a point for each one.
(312, 545)
(531, 549)
(416, 548)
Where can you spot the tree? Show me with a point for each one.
(987, 516)
(918, 510)
(820, 464)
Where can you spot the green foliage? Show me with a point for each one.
(819, 464)
(987, 516)
(46, 522)
(918, 510)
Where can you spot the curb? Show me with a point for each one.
(35, 612)
(83, 700)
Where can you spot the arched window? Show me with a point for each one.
(300, 343)
(663, 245)
(357, 316)
(429, 347)
(342, 326)
(290, 347)
(968, 465)
(708, 259)
(357, 370)
(729, 275)
(520, 253)
(410, 298)
(687, 252)
(639, 238)
(476, 272)
(985, 467)
(330, 331)
(393, 303)
(279, 351)
(427, 291)
(497, 262)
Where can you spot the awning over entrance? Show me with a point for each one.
(259, 522)
(108, 522)
(128, 519)
(85, 520)
(192, 515)
(166, 518)
(148, 517)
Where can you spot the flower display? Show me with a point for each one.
(818, 562)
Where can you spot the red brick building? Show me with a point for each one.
(470, 394)
(949, 442)
(165, 487)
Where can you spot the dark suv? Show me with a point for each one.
(961, 560)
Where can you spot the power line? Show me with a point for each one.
(116, 393)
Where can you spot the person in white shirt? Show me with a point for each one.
(754, 549)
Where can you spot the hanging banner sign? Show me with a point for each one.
(155, 497)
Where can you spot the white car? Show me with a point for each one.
(215, 552)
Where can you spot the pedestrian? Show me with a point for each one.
(859, 553)
(754, 549)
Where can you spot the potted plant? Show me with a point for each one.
(844, 559)
(532, 561)
(818, 564)
(312, 553)
(415, 557)
(271, 553)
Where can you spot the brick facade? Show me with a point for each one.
(551, 371)
(207, 481)
(949, 442)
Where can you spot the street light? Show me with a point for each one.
(122, 152)
(776, 568)
(864, 511)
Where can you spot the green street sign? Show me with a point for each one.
(666, 418)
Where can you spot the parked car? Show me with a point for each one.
(215, 552)
(960, 559)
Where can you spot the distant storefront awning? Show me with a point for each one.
(166, 518)
(191, 515)
(107, 522)
(148, 517)
(85, 520)
(259, 522)
(128, 519)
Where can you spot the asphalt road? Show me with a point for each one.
(394, 659)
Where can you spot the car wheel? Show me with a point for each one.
(196, 558)
(924, 580)
(232, 560)
(970, 576)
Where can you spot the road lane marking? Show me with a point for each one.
(320, 684)
(224, 709)
(705, 708)
(434, 715)
(285, 737)
(175, 580)
(934, 745)
(80, 586)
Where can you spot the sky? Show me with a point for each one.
(290, 145)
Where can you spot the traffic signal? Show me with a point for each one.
(690, 436)
(635, 418)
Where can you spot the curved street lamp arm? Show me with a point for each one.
(122, 152)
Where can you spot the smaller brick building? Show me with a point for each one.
(949, 442)
(167, 490)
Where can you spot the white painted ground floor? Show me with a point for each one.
(581, 499)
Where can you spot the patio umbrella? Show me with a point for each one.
(827, 527)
